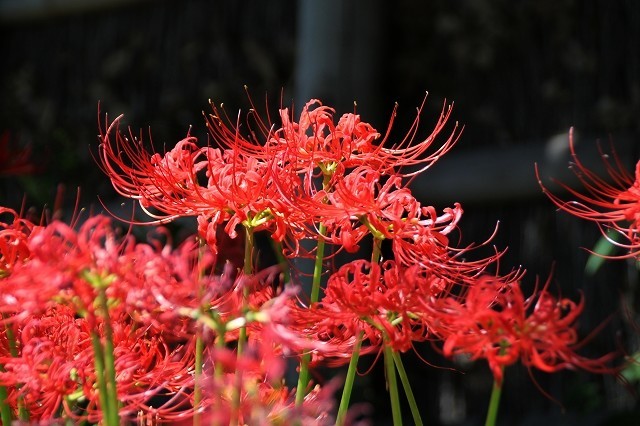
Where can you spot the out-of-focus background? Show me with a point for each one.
(520, 73)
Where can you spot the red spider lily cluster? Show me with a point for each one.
(96, 323)
(53, 277)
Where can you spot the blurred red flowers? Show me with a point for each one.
(14, 161)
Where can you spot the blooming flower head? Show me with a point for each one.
(613, 202)
(14, 234)
(315, 140)
(218, 186)
(383, 302)
(45, 371)
(495, 322)
(63, 264)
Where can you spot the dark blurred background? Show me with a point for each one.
(521, 73)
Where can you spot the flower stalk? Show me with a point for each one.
(303, 375)
(494, 404)
(6, 415)
(349, 381)
(197, 376)
(242, 337)
(415, 412)
(392, 384)
(106, 350)
(23, 413)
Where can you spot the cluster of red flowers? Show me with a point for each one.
(52, 277)
(187, 341)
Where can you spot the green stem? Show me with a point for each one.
(494, 404)
(242, 336)
(11, 339)
(317, 267)
(248, 250)
(282, 261)
(393, 386)
(109, 360)
(197, 389)
(23, 413)
(98, 360)
(322, 232)
(355, 355)
(5, 410)
(377, 250)
(248, 270)
(407, 389)
(303, 378)
(199, 344)
(348, 383)
(218, 369)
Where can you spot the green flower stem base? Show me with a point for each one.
(407, 389)
(392, 383)
(348, 383)
(494, 403)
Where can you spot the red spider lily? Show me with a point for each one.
(380, 207)
(164, 284)
(60, 261)
(54, 370)
(152, 375)
(491, 322)
(315, 141)
(350, 210)
(172, 292)
(54, 360)
(154, 180)
(14, 233)
(422, 244)
(613, 202)
(154, 290)
(239, 188)
(383, 301)
(365, 202)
